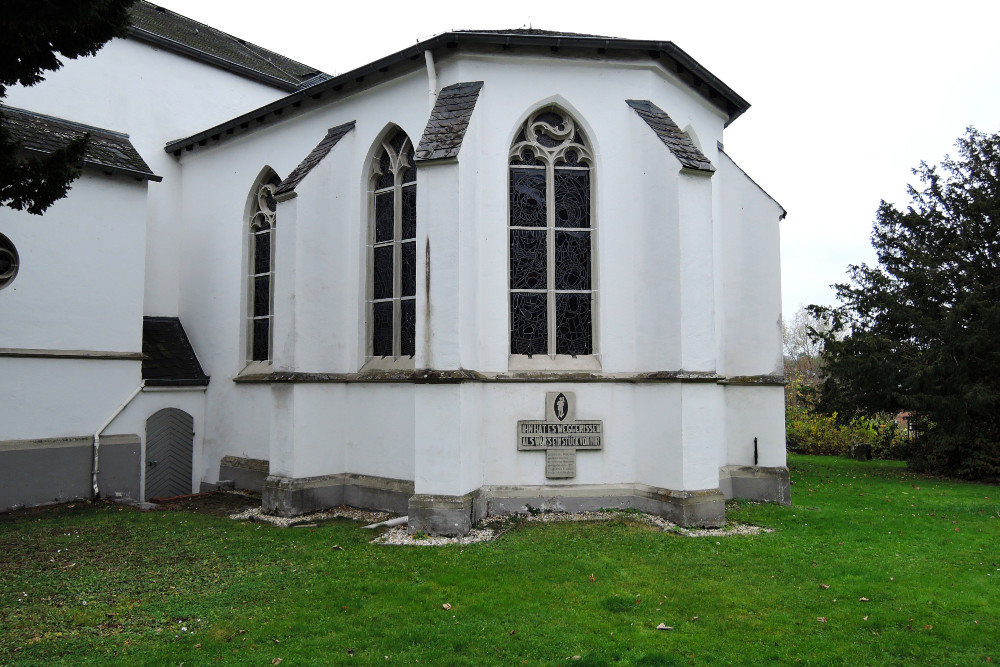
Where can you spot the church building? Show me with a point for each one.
(497, 270)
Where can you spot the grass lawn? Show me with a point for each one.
(872, 565)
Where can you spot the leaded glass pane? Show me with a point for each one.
(574, 331)
(407, 327)
(383, 217)
(262, 296)
(385, 179)
(409, 212)
(528, 323)
(572, 260)
(527, 259)
(527, 197)
(261, 339)
(408, 281)
(262, 252)
(382, 329)
(382, 274)
(572, 198)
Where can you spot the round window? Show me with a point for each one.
(8, 261)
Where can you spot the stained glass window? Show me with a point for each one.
(392, 257)
(552, 291)
(260, 269)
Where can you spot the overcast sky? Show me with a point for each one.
(846, 97)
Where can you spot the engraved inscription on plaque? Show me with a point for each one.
(560, 434)
(560, 463)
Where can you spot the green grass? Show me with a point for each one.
(924, 551)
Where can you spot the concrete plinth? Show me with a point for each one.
(286, 496)
(756, 483)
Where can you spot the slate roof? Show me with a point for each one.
(442, 138)
(667, 54)
(333, 135)
(169, 358)
(676, 140)
(107, 150)
(167, 29)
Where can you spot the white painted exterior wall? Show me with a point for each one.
(79, 288)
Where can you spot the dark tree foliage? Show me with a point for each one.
(923, 327)
(35, 35)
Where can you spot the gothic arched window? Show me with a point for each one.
(260, 269)
(392, 249)
(552, 295)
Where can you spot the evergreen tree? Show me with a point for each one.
(923, 327)
(36, 34)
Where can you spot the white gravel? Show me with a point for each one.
(341, 511)
(493, 527)
(490, 528)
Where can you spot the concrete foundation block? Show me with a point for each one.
(245, 473)
(449, 516)
(756, 483)
(287, 496)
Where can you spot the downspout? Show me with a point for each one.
(432, 79)
(97, 435)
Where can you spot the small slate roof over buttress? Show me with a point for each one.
(333, 135)
(169, 358)
(161, 27)
(676, 140)
(107, 150)
(442, 138)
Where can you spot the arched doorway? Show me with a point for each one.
(169, 453)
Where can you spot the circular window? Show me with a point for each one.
(8, 261)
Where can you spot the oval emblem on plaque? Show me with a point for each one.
(560, 407)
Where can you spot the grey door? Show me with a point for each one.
(169, 451)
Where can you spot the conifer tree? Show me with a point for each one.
(922, 328)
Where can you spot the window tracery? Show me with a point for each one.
(551, 238)
(392, 254)
(260, 270)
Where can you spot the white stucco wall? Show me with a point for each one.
(78, 290)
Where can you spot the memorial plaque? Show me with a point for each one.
(560, 434)
(560, 463)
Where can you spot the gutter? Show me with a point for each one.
(97, 437)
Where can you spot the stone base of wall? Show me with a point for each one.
(456, 515)
(705, 508)
(286, 496)
(56, 470)
(244, 473)
(756, 483)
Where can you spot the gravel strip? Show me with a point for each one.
(493, 527)
(341, 511)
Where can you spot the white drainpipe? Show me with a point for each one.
(432, 79)
(97, 435)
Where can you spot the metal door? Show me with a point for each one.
(169, 452)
